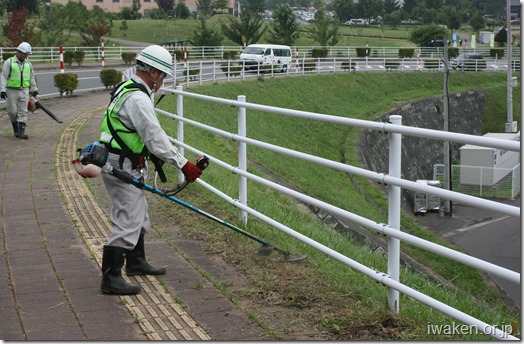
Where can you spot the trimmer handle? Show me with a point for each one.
(202, 163)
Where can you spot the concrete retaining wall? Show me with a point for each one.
(420, 154)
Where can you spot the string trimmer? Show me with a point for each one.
(93, 160)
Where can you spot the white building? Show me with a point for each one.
(487, 166)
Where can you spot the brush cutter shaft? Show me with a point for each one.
(127, 178)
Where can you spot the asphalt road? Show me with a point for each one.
(486, 235)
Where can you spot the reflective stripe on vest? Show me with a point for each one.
(19, 78)
(128, 136)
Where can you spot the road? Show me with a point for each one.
(486, 235)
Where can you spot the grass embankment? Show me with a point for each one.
(157, 31)
(332, 296)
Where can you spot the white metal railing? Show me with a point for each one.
(393, 179)
(203, 71)
(114, 53)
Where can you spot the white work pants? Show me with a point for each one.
(17, 100)
(129, 207)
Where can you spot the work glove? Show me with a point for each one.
(3, 95)
(191, 171)
(34, 94)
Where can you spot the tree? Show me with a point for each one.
(181, 10)
(253, 6)
(93, 33)
(31, 5)
(408, 6)
(166, 5)
(97, 27)
(131, 13)
(284, 29)
(17, 30)
(124, 27)
(476, 21)
(391, 6)
(204, 7)
(204, 36)
(77, 15)
(423, 36)
(501, 38)
(369, 8)
(451, 17)
(220, 5)
(344, 9)
(392, 19)
(52, 24)
(324, 30)
(249, 25)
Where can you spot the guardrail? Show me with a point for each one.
(395, 129)
(199, 72)
(114, 53)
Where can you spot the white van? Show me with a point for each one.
(256, 55)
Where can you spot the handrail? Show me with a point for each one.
(52, 54)
(388, 279)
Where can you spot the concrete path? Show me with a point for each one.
(52, 233)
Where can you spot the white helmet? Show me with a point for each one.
(25, 48)
(157, 57)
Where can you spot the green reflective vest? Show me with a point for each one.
(19, 78)
(128, 136)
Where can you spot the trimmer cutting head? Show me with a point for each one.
(290, 257)
(266, 249)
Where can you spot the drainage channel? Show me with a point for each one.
(155, 310)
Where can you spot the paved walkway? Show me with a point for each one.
(52, 233)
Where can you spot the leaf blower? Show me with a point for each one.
(34, 104)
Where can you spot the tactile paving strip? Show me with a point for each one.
(154, 310)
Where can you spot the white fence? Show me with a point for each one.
(114, 53)
(478, 180)
(199, 72)
(395, 129)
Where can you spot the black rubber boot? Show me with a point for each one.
(21, 131)
(112, 280)
(136, 263)
(15, 128)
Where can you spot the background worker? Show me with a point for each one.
(131, 132)
(17, 83)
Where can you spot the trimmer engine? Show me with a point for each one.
(94, 154)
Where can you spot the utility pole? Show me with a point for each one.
(447, 156)
(510, 126)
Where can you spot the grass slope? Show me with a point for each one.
(326, 291)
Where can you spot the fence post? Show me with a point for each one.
(61, 59)
(214, 71)
(175, 62)
(103, 57)
(200, 73)
(242, 159)
(395, 148)
(180, 127)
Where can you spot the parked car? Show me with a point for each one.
(257, 55)
(461, 60)
(362, 22)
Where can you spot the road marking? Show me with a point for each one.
(476, 225)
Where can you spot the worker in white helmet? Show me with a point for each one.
(131, 133)
(18, 82)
